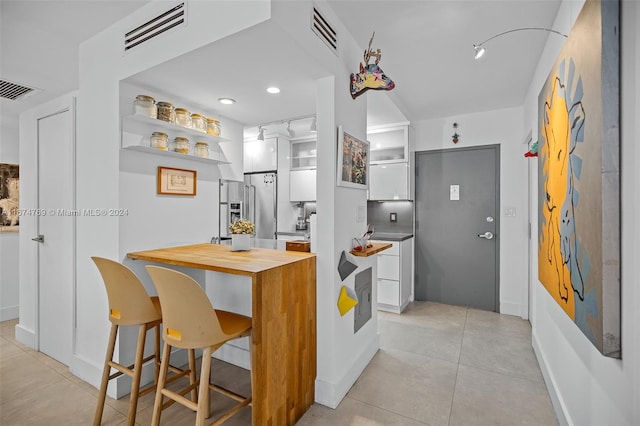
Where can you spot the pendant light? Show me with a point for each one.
(313, 125)
(260, 133)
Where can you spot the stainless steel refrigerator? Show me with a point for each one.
(254, 199)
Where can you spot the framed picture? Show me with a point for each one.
(9, 197)
(353, 161)
(176, 181)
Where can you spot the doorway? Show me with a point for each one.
(457, 203)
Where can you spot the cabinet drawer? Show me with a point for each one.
(389, 267)
(389, 292)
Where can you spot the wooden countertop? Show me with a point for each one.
(220, 258)
(370, 251)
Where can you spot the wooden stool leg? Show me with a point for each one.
(137, 372)
(164, 367)
(192, 374)
(105, 375)
(156, 360)
(203, 392)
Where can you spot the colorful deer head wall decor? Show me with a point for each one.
(370, 76)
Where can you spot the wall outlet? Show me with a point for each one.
(393, 217)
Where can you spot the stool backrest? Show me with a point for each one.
(129, 302)
(189, 320)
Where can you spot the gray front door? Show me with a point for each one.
(457, 221)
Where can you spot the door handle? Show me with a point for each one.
(487, 235)
(38, 239)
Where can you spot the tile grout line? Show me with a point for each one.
(455, 382)
(388, 411)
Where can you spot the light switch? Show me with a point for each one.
(393, 217)
(454, 192)
(361, 214)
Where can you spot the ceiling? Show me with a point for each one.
(427, 49)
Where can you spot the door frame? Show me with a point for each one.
(497, 150)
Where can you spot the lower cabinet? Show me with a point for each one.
(394, 276)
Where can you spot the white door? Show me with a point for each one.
(56, 234)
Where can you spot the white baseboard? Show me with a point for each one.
(234, 355)
(559, 406)
(25, 336)
(510, 308)
(9, 312)
(331, 394)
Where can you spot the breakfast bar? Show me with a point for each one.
(283, 343)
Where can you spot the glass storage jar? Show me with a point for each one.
(198, 122)
(202, 149)
(181, 145)
(145, 105)
(166, 112)
(160, 140)
(213, 127)
(183, 118)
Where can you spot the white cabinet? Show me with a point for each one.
(389, 144)
(389, 181)
(395, 280)
(302, 185)
(261, 156)
(303, 154)
(137, 130)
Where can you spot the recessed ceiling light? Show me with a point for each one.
(226, 101)
(273, 90)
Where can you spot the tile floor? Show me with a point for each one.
(438, 365)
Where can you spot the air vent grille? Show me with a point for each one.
(14, 91)
(321, 27)
(166, 21)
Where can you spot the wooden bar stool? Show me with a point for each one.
(191, 322)
(129, 304)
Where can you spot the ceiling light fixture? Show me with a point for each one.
(260, 133)
(479, 49)
(273, 90)
(226, 101)
(289, 129)
(313, 125)
(292, 134)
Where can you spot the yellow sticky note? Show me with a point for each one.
(345, 302)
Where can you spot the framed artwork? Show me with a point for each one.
(353, 161)
(176, 181)
(9, 197)
(579, 177)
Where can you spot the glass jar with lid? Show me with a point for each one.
(145, 105)
(202, 149)
(183, 117)
(198, 122)
(166, 112)
(160, 140)
(181, 145)
(213, 126)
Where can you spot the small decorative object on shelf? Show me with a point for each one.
(241, 231)
(202, 150)
(213, 126)
(455, 137)
(160, 140)
(183, 117)
(181, 145)
(166, 112)
(145, 105)
(533, 151)
(198, 122)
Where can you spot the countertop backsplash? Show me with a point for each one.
(378, 214)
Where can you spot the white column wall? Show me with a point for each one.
(9, 241)
(503, 127)
(587, 388)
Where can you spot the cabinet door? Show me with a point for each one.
(302, 185)
(389, 181)
(388, 292)
(388, 267)
(303, 155)
(261, 156)
(389, 145)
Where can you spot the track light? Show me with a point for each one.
(479, 49)
(260, 133)
(292, 134)
(313, 125)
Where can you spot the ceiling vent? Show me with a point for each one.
(16, 92)
(321, 27)
(172, 18)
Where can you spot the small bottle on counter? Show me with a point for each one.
(213, 126)
(181, 145)
(202, 149)
(198, 122)
(145, 105)
(166, 112)
(160, 140)
(183, 117)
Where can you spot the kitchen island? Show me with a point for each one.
(283, 341)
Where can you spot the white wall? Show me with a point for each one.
(9, 241)
(586, 387)
(503, 127)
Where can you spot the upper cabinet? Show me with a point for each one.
(302, 176)
(390, 176)
(261, 156)
(303, 154)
